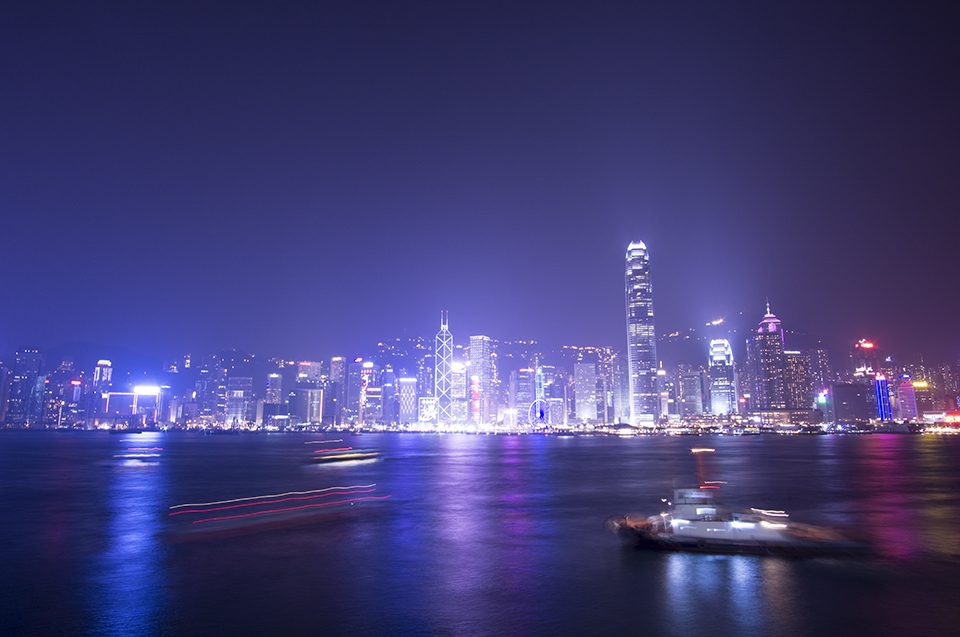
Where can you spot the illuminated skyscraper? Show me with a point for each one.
(23, 386)
(274, 395)
(723, 385)
(443, 357)
(239, 401)
(641, 338)
(407, 393)
(906, 399)
(690, 390)
(881, 389)
(483, 367)
(796, 381)
(767, 364)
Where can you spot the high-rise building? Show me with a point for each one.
(881, 389)
(274, 394)
(306, 405)
(523, 393)
(585, 391)
(23, 401)
(407, 393)
(483, 366)
(767, 364)
(906, 406)
(690, 386)
(723, 379)
(239, 401)
(796, 381)
(641, 337)
(335, 395)
(864, 360)
(443, 357)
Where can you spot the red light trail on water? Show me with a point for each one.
(296, 508)
(274, 495)
(254, 504)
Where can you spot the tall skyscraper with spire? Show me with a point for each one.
(767, 363)
(641, 337)
(443, 372)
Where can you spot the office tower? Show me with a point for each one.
(102, 374)
(621, 389)
(306, 405)
(443, 357)
(274, 393)
(483, 366)
(690, 386)
(853, 402)
(820, 372)
(864, 361)
(407, 393)
(335, 395)
(641, 338)
(459, 376)
(881, 389)
(585, 391)
(796, 381)
(767, 365)
(523, 393)
(23, 386)
(239, 401)
(390, 412)
(557, 410)
(723, 385)
(906, 399)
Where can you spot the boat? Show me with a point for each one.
(694, 520)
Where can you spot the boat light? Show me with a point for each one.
(772, 525)
(737, 524)
(771, 512)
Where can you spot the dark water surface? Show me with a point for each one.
(482, 535)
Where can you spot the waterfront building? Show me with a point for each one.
(483, 367)
(767, 363)
(722, 373)
(853, 402)
(906, 399)
(239, 401)
(881, 388)
(443, 356)
(307, 405)
(407, 393)
(274, 393)
(641, 337)
(23, 399)
(690, 391)
(796, 380)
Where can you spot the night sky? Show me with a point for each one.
(305, 179)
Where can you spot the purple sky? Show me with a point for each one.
(307, 178)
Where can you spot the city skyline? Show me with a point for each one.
(481, 382)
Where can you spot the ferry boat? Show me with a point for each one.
(693, 520)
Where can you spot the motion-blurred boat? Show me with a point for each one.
(694, 521)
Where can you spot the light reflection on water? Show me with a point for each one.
(480, 534)
(130, 584)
